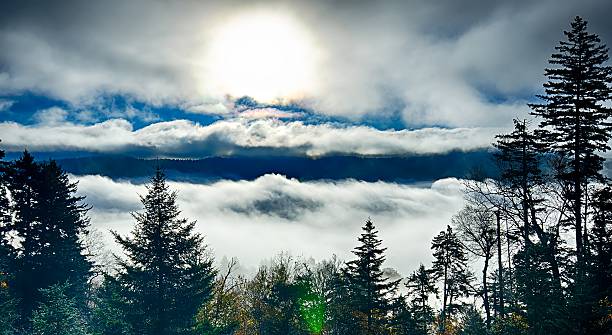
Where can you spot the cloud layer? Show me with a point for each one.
(254, 220)
(468, 63)
(182, 138)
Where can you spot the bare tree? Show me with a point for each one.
(476, 228)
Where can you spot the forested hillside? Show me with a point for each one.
(394, 169)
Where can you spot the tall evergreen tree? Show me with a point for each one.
(421, 287)
(48, 225)
(518, 157)
(369, 289)
(575, 118)
(166, 275)
(450, 265)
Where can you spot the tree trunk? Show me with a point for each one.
(550, 250)
(500, 266)
(576, 178)
(509, 262)
(525, 200)
(444, 299)
(485, 297)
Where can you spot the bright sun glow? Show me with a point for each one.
(262, 55)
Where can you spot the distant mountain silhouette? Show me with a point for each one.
(404, 169)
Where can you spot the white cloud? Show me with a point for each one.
(106, 136)
(5, 104)
(212, 107)
(254, 220)
(266, 113)
(51, 116)
(467, 63)
(182, 138)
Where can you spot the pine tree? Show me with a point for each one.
(49, 223)
(58, 314)
(518, 157)
(166, 275)
(370, 291)
(450, 265)
(421, 287)
(575, 118)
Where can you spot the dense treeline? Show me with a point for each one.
(530, 253)
(400, 169)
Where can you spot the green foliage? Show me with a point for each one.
(312, 310)
(277, 302)
(340, 315)
(600, 259)
(369, 289)
(421, 287)
(592, 299)
(58, 314)
(402, 320)
(107, 317)
(538, 291)
(222, 314)
(472, 322)
(166, 276)
(450, 266)
(574, 115)
(550, 179)
(512, 324)
(8, 304)
(48, 221)
(519, 157)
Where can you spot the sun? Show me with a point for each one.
(266, 55)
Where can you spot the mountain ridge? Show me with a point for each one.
(404, 169)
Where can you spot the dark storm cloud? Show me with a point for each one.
(455, 63)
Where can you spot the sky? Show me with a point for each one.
(194, 79)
